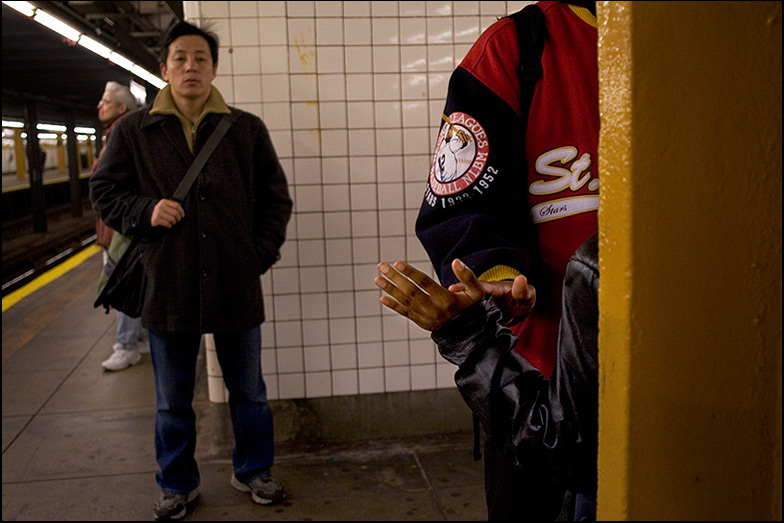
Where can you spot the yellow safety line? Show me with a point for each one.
(49, 276)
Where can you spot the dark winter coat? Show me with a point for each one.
(203, 273)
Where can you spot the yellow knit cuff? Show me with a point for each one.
(500, 272)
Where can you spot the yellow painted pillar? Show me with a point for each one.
(21, 155)
(690, 258)
(61, 166)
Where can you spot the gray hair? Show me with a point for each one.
(122, 95)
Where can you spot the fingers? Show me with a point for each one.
(522, 291)
(469, 283)
(166, 213)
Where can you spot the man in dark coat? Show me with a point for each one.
(203, 258)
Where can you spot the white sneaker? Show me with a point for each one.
(121, 359)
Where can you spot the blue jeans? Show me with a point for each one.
(129, 330)
(174, 364)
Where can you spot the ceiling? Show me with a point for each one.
(62, 77)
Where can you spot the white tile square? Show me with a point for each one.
(367, 303)
(307, 171)
(269, 361)
(466, 8)
(290, 360)
(371, 380)
(317, 358)
(385, 31)
(413, 31)
(288, 334)
(362, 169)
(493, 8)
(439, 8)
(344, 382)
(423, 377)
(337, 225)
(363, 197)
(288, 252)
(356, 8)
(395, 326)
(365, 273)
(361, 115)
(316, 333)
(330, 59)
(389, 142)
(312, 253)
(393, 248)
(276, 115)
(329, 8)
(359, 59)
(239, 9)
(357, 31)
(329, 31)
(285, 280)
(370, 355)
(342, 331)
(301, 9)
(332, 115)
(339, 278)
(341, 304)
(359, 87)
(275, 88)
(334, 142)
(396, 353)
(272, 8)
(246, 60)
(392, 222)
(415, 114)
(314, 304)
(388, 114)
(415, 193)
(414, 87)
(390, 196)
(274, 59)
(272, 31)
(415, 253)
(307, 198)
(336, 197)
(307, 142)
(310, 225)
(318, 384)
(339, 252)
(365, 250)
(268, 338)
(441, 58)
(246, 89)
(397, 379)
(438, 83)
(364, 224)
(466, 29)
(335, 170)
(439, 30)
(384, 8)
(291, 386)
(386, 86)
(332, 87)
(413, 59)
(271, 382)
(344, 356)
(422, 351)
(368, 329)
(215, 9)
(244, 31)
(361, 142)
(390, 168)
(303, 87)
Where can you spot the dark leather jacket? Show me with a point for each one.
(551, 423)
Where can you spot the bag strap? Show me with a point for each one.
(531, 34)
(202, 157)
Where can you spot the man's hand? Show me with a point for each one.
(419, 298)
(166, 213)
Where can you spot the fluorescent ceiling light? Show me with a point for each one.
(120, 60)
(50, 127)
(56, 25)
(13, 125)
(84, 130)
(26, 8)
(95, 46)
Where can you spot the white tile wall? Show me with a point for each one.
(352, 93)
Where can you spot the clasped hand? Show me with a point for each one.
(413, 294)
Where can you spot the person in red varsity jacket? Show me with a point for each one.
(511, 202)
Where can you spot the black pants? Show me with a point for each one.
(517, 494)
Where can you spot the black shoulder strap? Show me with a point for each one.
(204, 154)
(531, 34)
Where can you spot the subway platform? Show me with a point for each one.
(78, 441)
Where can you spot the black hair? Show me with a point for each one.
(185, 29)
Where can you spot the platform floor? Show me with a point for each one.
(78, 441)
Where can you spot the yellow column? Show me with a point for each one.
(61, 167)
(21, 155)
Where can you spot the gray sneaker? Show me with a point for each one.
(264, 489)
(171, 505)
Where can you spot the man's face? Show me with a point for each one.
(189, 68)
(109, 108)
